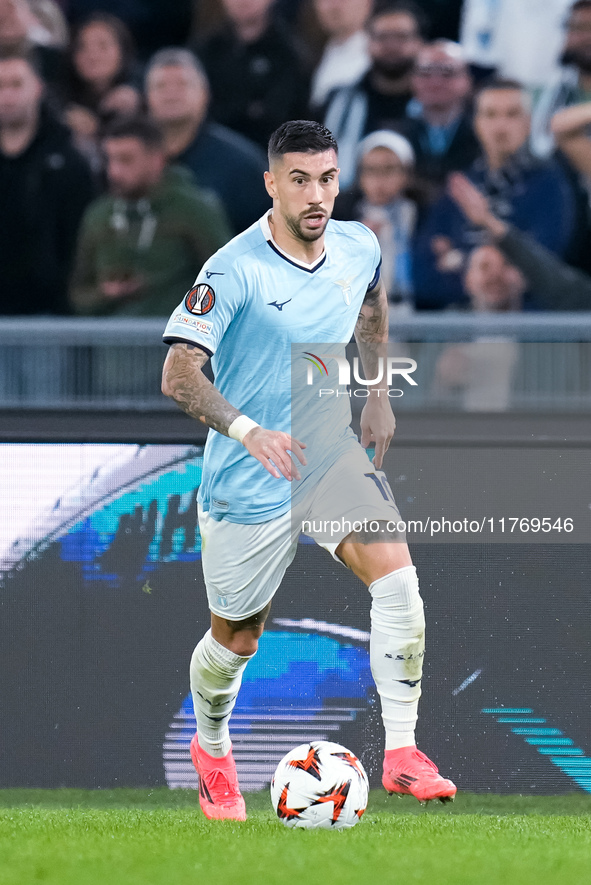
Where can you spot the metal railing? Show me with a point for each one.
(468, 362)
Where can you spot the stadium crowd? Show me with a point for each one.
(133, 134)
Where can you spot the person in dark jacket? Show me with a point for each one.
(45, 186)
(438, 121)
(223, 161)
(153, 23)
(379, 99)
(534, 195)
(257, 71)
(142, 244)
(102, 80)
(556, 285)
(21, 33)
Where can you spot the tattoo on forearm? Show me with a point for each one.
(184, 382)
(372, 323)
(371, 330)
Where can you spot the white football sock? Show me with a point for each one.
(397, 648)
(216, 676)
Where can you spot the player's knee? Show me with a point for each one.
(241, 637)
(244, 644)
(396, 601)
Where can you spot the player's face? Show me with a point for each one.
(132, 168)
(304, 187)
(20, 92)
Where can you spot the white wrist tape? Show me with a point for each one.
(240, 426)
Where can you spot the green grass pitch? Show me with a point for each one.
(159, 837)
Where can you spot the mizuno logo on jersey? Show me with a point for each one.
(214, 273)
(279, 306)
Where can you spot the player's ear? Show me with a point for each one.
(338, 183)
(270, 184)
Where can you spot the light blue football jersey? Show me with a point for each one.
(257, 311)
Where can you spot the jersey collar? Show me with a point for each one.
(266, 229)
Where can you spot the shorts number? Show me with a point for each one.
(383, 485)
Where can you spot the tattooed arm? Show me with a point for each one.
(184, 382)
(371, 334)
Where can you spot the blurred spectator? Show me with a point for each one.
(45, 185)
(572, 129)
(379, 99)
(345, 58)
(518, 39)
(256, 71)
(208, 16)
(483, 370)
(153, 23)
(141, 246)
(21, 32)
(491, 283)
(556, 285)
(101, 79)
(221, 160)
(379, 200)
(534, 195)
(443, 17)
(440, 119)
(573, 85)
(52, 22)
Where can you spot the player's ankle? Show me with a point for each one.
(214, 749)
(410, 746)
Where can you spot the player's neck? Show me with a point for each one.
(302, 250)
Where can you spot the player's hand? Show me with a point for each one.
(377, 426)
(272, 448)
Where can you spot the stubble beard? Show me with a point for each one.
(295, 226)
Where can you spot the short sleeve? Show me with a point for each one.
(208, 308)
(376, 261)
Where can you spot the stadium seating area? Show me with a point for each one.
(468, 154)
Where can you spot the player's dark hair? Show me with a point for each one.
(301, 137)
(140, 127)
(406, 7)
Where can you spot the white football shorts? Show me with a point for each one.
(244, 564)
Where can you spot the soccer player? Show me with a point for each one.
(294, 277)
